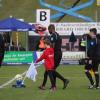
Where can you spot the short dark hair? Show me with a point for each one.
(47, 41)
(94, 30)
(51, 26)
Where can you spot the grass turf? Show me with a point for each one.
(77, 89)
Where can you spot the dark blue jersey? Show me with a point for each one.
(91, 43)
(93, 48)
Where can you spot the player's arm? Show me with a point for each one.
(41, 57)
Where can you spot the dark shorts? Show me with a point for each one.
(94, 66)
(57, 58)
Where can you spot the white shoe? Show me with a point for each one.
(91, 87)
(97, 87)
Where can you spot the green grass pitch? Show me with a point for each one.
(76, 90)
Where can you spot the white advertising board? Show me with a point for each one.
(77, 28)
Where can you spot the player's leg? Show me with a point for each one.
(44, 81)
(57, 59)
(65, 81)
(88, 75)
(50, 73)
(45, 78)
(96, 73)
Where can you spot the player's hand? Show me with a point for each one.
(35, 64)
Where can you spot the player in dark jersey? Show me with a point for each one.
(56, 43)
(93, 53)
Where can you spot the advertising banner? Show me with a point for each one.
(18, 57)
(77, 28)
